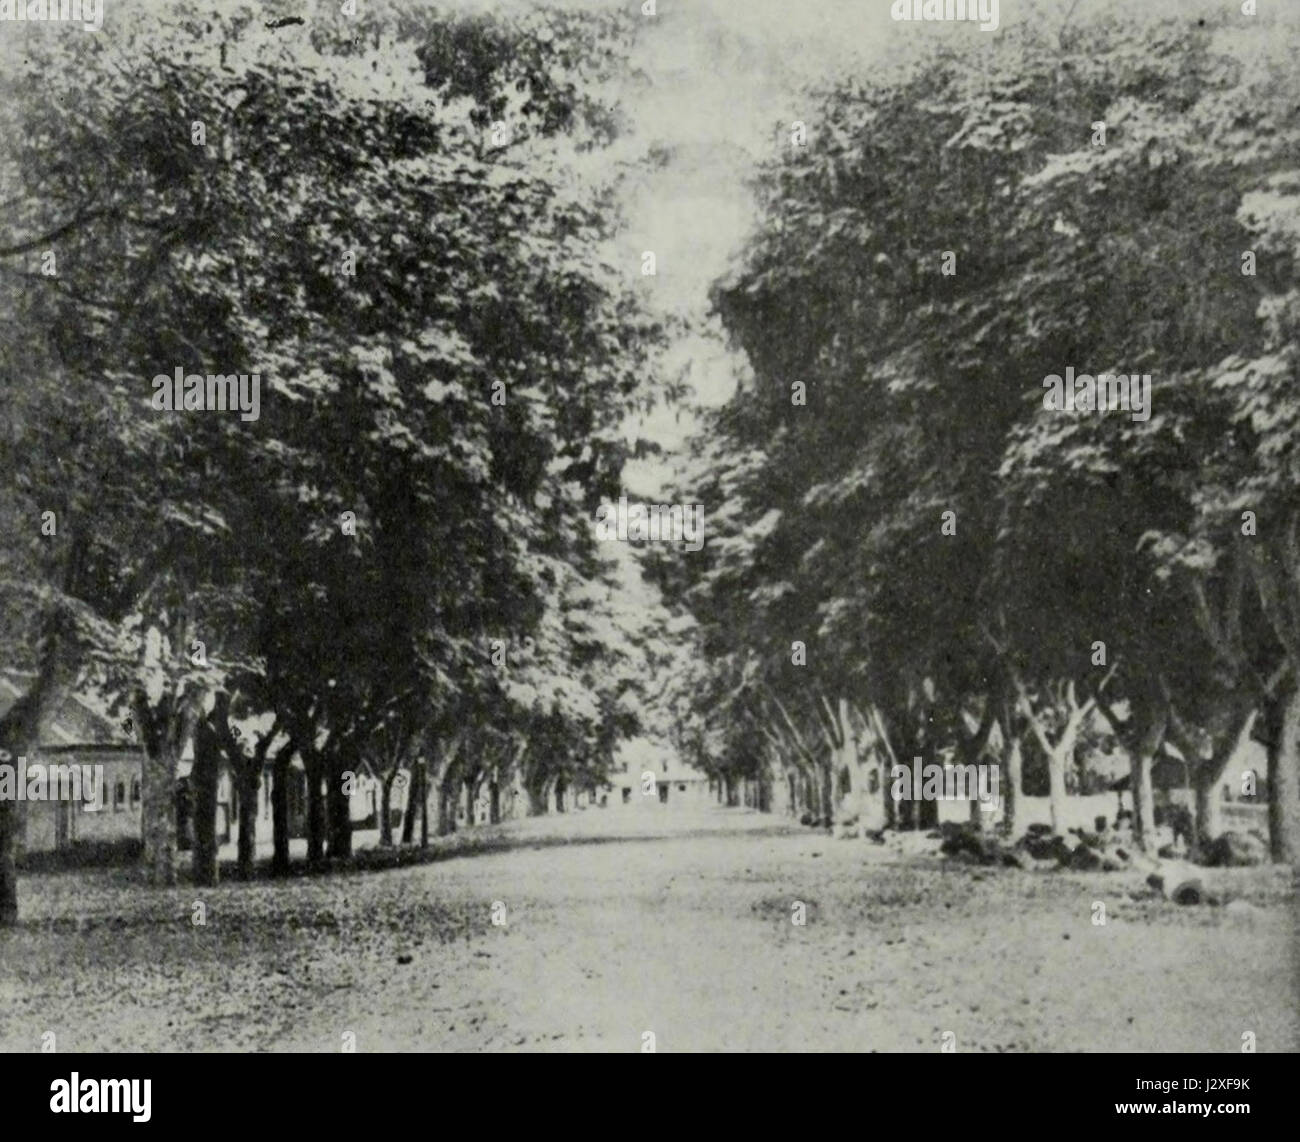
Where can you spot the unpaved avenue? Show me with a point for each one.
(687, 934)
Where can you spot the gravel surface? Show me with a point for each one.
(680, 924)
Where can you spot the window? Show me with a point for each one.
(681, 788)
(135, 792)
(119, 794)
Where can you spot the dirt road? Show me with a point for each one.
(679, 925)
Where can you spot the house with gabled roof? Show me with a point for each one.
(78, 731)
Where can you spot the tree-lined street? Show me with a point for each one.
(676, 923)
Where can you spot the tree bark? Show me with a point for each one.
(386, 810)
(1011, 787)
(927, 812)
(1275, 568)
(280, 777)
(158, 791)
(827, 812)
(414, 795)
(250, 784)
(1144, 821)
(447, 807)
(1143, 746)
(424, 803)
(205, 775)
(9, 829)
(1056, 795)
(340, 817)
(316, 816)
(1284, 782)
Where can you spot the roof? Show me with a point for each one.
(78, 718)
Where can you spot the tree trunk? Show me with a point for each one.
(447, 806)
(494, 803)
(280, 777)
(424, 803)
(870, 804)
(536, 800)
(1011, 788)
(18, 736)
(9, 829)
(250, 784)
(1056, 762)
(1208, 820)
(340, 817)
(1140, 760)
(927, 811)
(205, 775)
(1284, 782)
(316, 819)
(158, 797)
(1144, 821)
(414, 795)
(386, 810)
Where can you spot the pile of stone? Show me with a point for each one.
(1236, 850)
(1105, 850)
(1039, 849)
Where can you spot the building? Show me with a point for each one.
(79, 731)
(646, 774)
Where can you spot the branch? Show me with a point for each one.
(53, 235)
(1100, 687)
(797, 736)
(831, 734)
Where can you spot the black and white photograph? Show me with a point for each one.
(650, 526)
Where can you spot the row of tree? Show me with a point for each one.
(917, 558)
(381, 216)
